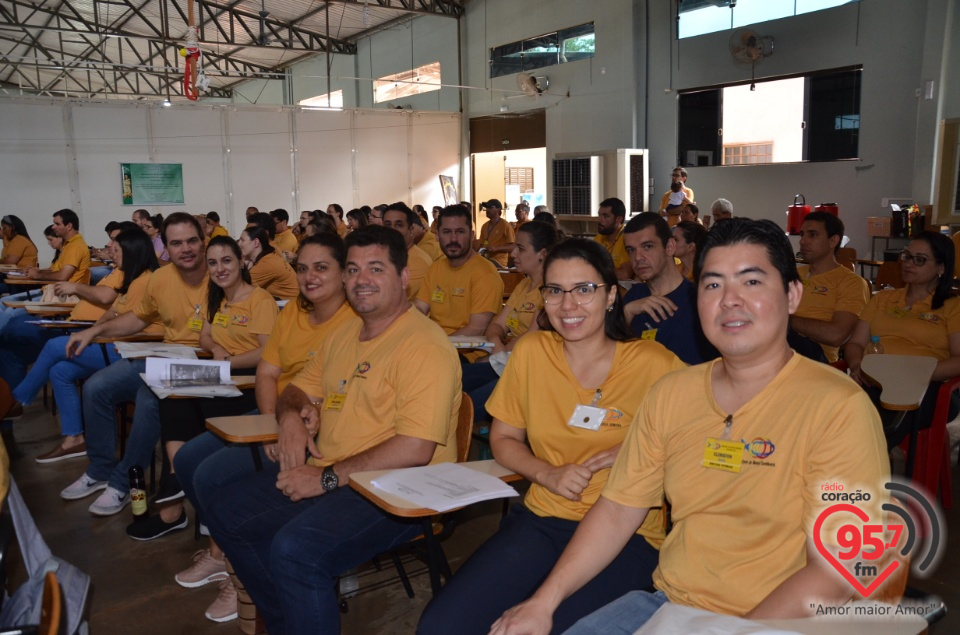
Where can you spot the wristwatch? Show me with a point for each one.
(329, 480)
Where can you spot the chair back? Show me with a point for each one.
(889, 275)
(464, 427)
(847, 254)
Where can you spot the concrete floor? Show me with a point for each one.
(133, 585)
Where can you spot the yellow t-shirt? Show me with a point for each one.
(131, 299)
(295, 341)
(241, 322)
(673, 216)
(615, 246)
(836, 290)
(343, 229)
(524, 303)
(76, 253)
(86, 310)
(404, 381)
(417, 262)
(23, 249)
(219, 230)
(495, 234)
(175, 304)
(539, 393)
(737, 536)
(430, 245)
(274, 274)
(286, 241)
(916, 330)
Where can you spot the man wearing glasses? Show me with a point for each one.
(678, 175)
(833, 296)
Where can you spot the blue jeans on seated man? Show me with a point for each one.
(63, 374)
(118, 383)
(99, 273)
(288, 555)
(20, 344)
(623, 616)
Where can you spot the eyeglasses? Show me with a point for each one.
(919, 260)
(582, 293)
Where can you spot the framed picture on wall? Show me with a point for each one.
(151, 183)
(449, 190)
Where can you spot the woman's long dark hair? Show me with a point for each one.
(50, 232)
(334, 243)
(19, 228)
(157, 222)
(255, 232)
(944, 254)
(215, 293)
(138, 256)
(594, 254)
(358, 216)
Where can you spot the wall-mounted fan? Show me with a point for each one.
(749, 48)
(532, 85)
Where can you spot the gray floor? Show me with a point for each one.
(134, 590)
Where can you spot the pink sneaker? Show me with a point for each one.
(224, 608)
(205, 569)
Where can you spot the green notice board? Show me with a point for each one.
(152, 183)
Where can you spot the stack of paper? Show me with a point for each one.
(193, 378)
(444, 486)
(130, 350)
(471, 341)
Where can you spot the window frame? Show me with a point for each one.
(512, 57)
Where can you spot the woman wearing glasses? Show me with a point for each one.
(919, 319)
(560, 413)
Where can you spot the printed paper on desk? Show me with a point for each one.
(193, 378)
(130, 350)
(443, 486)
(471, 341)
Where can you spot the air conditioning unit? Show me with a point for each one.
(582, 180)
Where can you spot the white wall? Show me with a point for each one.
(57, 154)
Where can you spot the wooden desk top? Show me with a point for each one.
(362, 483)
(245, 428)
(26, 304)
(26, 281)
(47, 310)
(136, 337)
(903, 378)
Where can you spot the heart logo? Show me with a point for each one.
(862, 515)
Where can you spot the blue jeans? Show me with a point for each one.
(514, 562)
(63, 374)
(20, 344)
(621, 617)
(99, 273)
(115, 384)
(289, 555)
(479, 380)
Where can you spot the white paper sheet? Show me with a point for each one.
(130, 350)
(471, 341)
(443, 486)
(193, 378)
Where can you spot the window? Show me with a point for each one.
(805, 118)
(549, 49)
(519, 176)
(708, 16)
(408, 83)
(328, 100)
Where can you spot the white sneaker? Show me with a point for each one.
(205, 568)
(224, 608)
(82, 487)
(110, 502)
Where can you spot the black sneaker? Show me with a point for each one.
(154, 527)
(169, 491)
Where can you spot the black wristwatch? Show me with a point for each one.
(329, 480)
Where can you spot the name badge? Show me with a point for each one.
(221, 319)
(723, 455)
(438, 296)
(649, 334)
(195, 324)
(513, 322)
(335, 401)
(587, 417)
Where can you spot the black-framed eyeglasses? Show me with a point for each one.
(582, 293)
(919, 259)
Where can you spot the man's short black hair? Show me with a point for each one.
(616, 207)
(281, 215)
(111, 226)
(746, 231)
(649, 219)
(832, 225)
(410, 215)
(455, 211)
(213, 216)
(383, 236)
(68, 217)
(265, 221)
(125, 225)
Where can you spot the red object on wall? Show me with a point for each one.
(796, 213)
(829, 208)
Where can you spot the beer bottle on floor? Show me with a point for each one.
(138, 494)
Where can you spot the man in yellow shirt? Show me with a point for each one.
(285, 241)
(464, 291)
(679, 175)
(176, 296)
(742, 460)
(390, 386)
(496, 236)
(427, 241)
(74, 261)
(401, 218)
(833, 296)
(610, 221)
(213, 220)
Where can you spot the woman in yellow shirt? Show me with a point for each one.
(300, 329)
(919, 319)
(267, 267)
(236, 324)
(533, 242)
(18, 249)
(561, 412)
